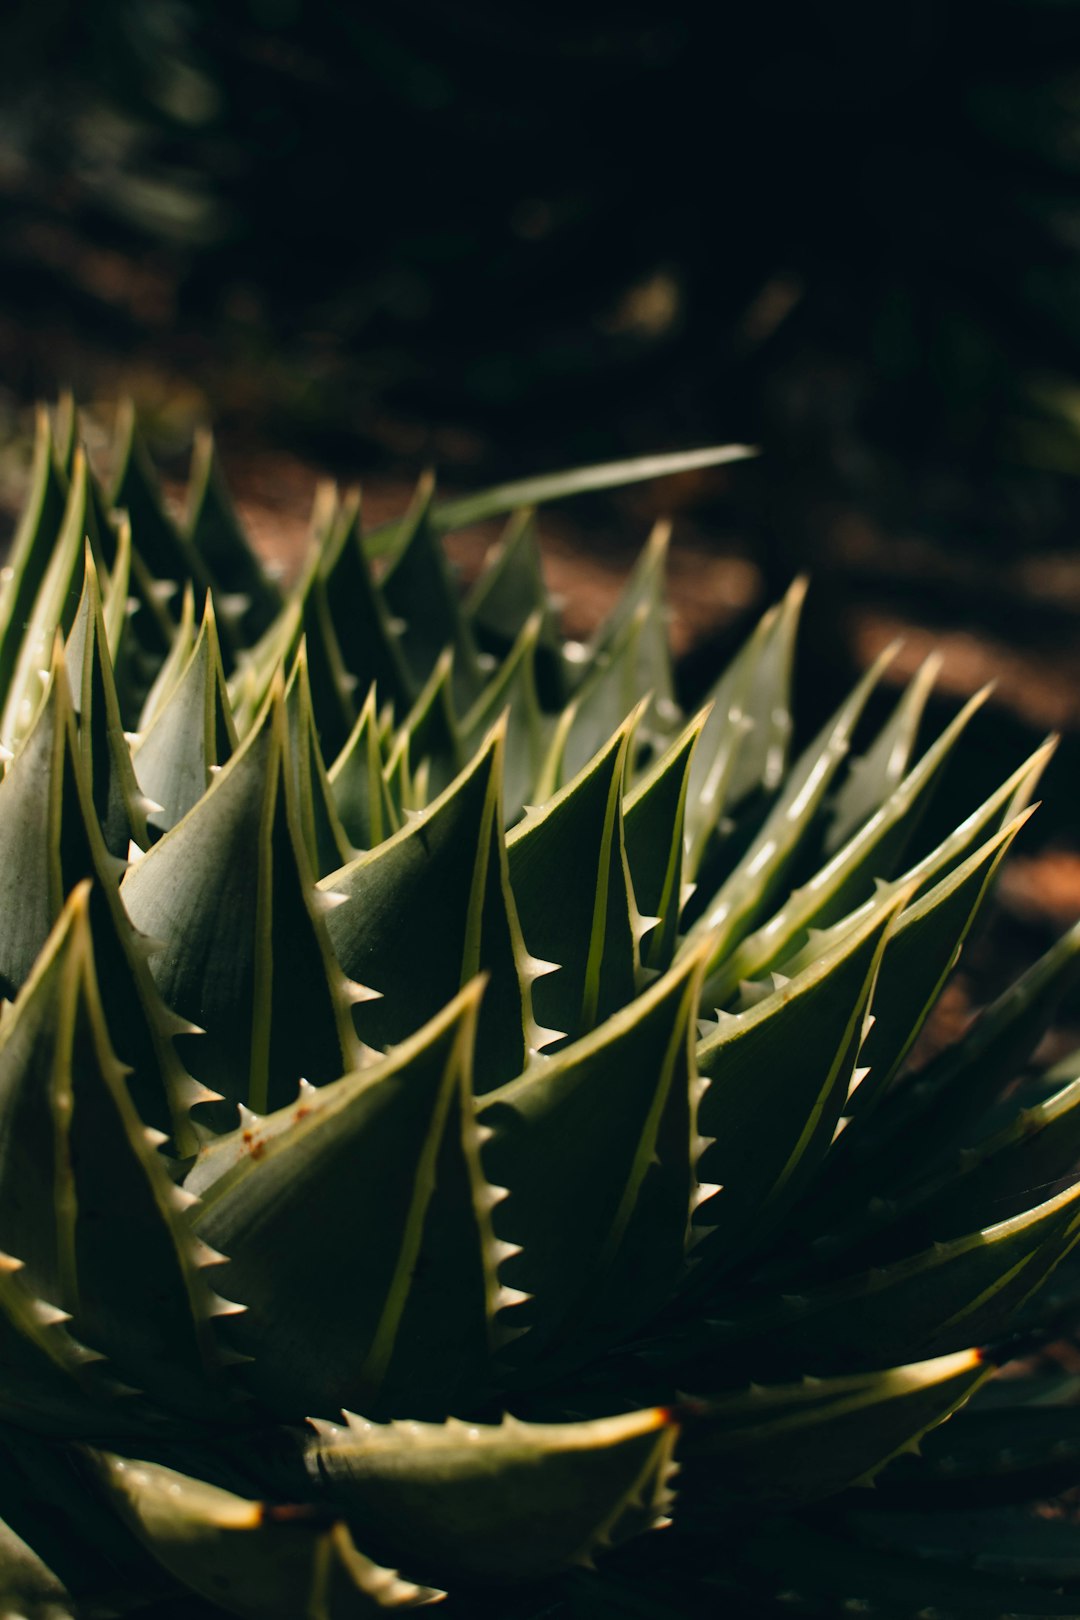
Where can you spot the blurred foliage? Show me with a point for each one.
(833, 225)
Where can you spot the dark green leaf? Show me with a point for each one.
(781, 1446)
(191, 733)
(356, 778)
(85, 1201)
(255, 1559)
(585, 921)
(616, 1112)
(429, 909)
(510, 1503)
(244, 953)
(356, 1220)
(214, 530)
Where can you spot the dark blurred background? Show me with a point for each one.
(507, 238)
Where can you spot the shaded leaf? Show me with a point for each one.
(616, 1112)
(190, 735)
(586, 922)
(780, 1446)
(429, 909)
(244, 954)
(513, 1502)
(354, 1224)
(251, 1557)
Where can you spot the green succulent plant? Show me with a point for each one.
(444, 1091)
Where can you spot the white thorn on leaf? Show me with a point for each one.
(641, 925)
(489, 1195)
(534, 967)
(47, 1315)
(857, 1078)
(217, 1306)
(355, 992)
(155, 1137)
(506, 1298)
(134, 853)
(191, 1091)
(542, 1037)
(501, 1250)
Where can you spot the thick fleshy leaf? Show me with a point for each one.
(324, 836)
(356, 779)
(86, 1202)
(191, 734)
(779, 1078)
(955, 1294)
(780, 1446)
(166, 552)
(642, 599)
(244, 954)
(419, 591)
(213, 528)
(616, 1112)
(51, 841)
(586, 922)
(508, 593)
(873, 777)
(62, 1550)
(355, 1221)
(364, 628)
(44, 834)
(609, 693)
(426, 753)
(334, 687)
(1038, 1150)
(744, 746)
(921, 954)
(173, 665)
(120, 806)
(48, 1380)
(654, 820)
(868, 858)
(740, 901)
(508, 1503)
(251, 1558)
(513, 689)
(54, 609)
(430, 908)
(1016, 1442)
(31, 548)
(938, 1110)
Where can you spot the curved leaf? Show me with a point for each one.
(252, 1558)
(243, 950)
(616, 1113)
(356, 1222)
(516, 1502)
(429, 909)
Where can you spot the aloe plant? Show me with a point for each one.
(450, 1101)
